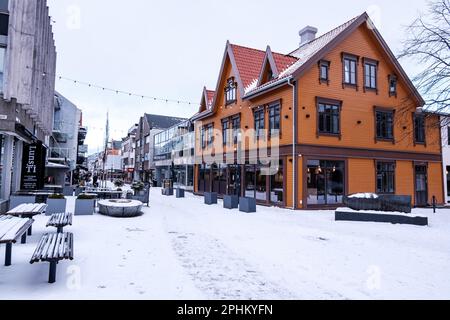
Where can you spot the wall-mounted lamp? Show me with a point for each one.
(359, 122)
(308, 116)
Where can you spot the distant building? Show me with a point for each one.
(129, 154)
(64, 149)
(27, 86)
(173, 155)
(149, 125)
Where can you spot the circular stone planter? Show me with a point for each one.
(120, 208)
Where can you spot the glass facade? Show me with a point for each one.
(326, 182)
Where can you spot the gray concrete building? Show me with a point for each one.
(27, 86)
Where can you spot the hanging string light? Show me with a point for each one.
(117, 91)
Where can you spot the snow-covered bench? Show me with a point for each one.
(54, 247)
(28, 210)
(60, 220)
(11, 229)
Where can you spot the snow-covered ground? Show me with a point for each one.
(183, 249)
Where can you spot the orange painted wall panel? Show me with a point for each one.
(361, 175)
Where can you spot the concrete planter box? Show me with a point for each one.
(231, 202)
(15, 201)
(180, 193)
(247, 205)
(375, 217)
(68, 191)
(55, 206)
(210, 198)
(84, 207)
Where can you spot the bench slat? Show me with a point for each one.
(54, 247)
(12, 228)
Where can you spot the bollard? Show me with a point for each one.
(434, 204)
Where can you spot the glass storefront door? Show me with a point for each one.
(326, 182)
(234, 180)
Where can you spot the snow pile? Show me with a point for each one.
(393, 213)
(363, 196)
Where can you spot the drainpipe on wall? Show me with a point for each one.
(294, 143)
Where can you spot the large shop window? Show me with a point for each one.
(385, 177)
(219, 176)
(325, 182)
(250, 176)
(234, 180)
(277, 185)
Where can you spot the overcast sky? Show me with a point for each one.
(171, 49)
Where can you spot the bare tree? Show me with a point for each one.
(428, 43)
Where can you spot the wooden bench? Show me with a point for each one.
(28, 210)
(59, 221)
(11, 229)
(54, 247)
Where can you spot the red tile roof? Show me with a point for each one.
(283, 61)
(249, 63)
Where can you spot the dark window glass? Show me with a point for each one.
(324, 71)
(385, 125)
(259, 123)
(325, 182)
(419, 128)
(236, 123)
(250, 177)
(370, 71)
(349, 71)
(225, 131)
(230, 91)
(329, 118)
(210, 134)
(203, 137)
(448, 180)
(277, 186)
(392, 85)
(4, 24)
(385, 177)
(274, 119)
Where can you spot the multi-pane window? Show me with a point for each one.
(203, 137)
(225, 131)
(392, 85)
(385, 177)
(324, 71)
(419, 128)
(329, 118)
(259, 123)
(385, 125)
(370, 75)
(230, 91)
(274, 119)
(236, 123)
(210, 135)
(350, 70)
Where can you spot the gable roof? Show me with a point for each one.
(249, 64)
(161, 122)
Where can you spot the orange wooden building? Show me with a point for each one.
(346, 115)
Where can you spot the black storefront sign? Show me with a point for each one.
(33, 167)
